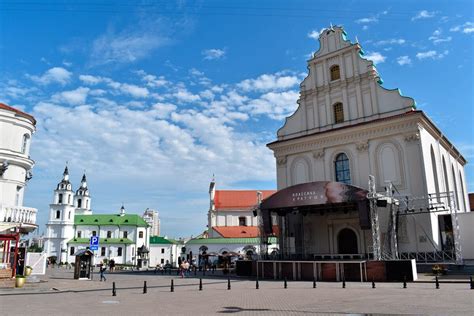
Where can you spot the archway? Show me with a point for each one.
(347, 242)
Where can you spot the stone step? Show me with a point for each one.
(7, 283)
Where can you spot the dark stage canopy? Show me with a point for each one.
(312, 196)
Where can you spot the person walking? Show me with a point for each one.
(102, 269)
(181, 270)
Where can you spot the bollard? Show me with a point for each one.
(405, 282)
(373, 284)
(472, 282)
(343, 283)
(114, 292)
(144, 287)
(314, 283)
(200, 284)
(285, 283)
(172, 286)
(256, 284)
(437, 283)
(228, 283)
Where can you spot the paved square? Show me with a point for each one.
(71, 297)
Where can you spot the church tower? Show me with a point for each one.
(60, 226)
(82, 200)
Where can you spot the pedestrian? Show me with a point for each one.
(186, 267)
(181, 270)
(112, 265)
(102, 269)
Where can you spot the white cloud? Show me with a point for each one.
(404, 60)
(269, 82)
(73, 97)
(276, 105)
(392, 41)
(465, 28)
(90, 80)
(437, 38)
(376, 57)
(432, 54)
(424, 14)
(314, 34)
(213, 53)
(372, 19)
(184, 95)
(53, 75)
(134, 90)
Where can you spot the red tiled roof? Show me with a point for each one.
(238, 199)
(18, 112)
(237, 231)
(242, 231)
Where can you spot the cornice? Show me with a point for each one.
(357, 135)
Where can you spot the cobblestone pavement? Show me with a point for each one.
(71, 297)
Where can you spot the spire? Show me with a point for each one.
(66, 173)
(122, 210)
(84, 181)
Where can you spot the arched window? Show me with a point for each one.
(60, 199)
(446, 181)
(338, 113)
(342, 169)
(69, 215)
(456, 194)
(462, 191)
(58, 214)
(435, 174)
(335, 73)
(24, 144)
(79, 203)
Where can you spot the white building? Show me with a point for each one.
(164, 250)
(16, 130)
(152, 217)
(72, 223)
(347, 127)
(232, 224)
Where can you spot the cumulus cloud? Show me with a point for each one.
(277, 105)
(424, 14)
(53, 75)
(213, 53)
(404, 60)
(269, 82)
(392, 41)
(465, 28)
(72, 97)
(437, 37)
(376, 57)
(431, 54)
(371, 19)
(314, 34)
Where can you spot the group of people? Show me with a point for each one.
(184, 268)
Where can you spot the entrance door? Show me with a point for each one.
(347, 242)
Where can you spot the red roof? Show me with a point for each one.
(18, 112)
(237, 231)
(238, 199)
(241, 231)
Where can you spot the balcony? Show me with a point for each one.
(18, 216)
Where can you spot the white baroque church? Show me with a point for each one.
(122, 237)
(347, 128)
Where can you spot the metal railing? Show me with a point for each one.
(430, 256)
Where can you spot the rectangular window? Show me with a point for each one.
(162, 250)
(133, 251)
(109, 234)
(125, 234)
(162, 260)
(94, 233)
(242, 221)
(119, 251)
(102, 251)
(79, 203)
(71, 251)
(60, 199)
(58, 214)
(79, 234)
(338, 113)
(140, 235)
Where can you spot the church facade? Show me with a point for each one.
(349, 128)
(122, 237)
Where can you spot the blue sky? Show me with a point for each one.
(152, 98)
